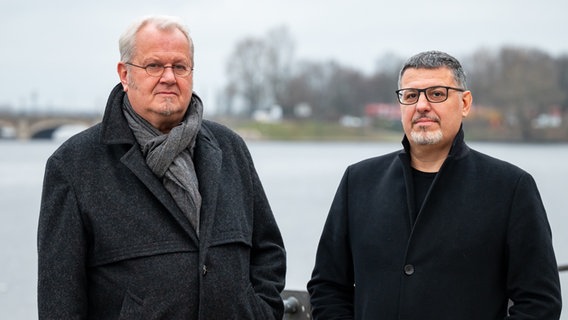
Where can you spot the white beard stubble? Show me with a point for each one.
(423, 137)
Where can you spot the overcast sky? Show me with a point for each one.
(63, 53)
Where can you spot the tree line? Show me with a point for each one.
(519, 93)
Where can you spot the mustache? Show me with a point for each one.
(425, 117)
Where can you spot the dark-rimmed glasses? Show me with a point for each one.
(434, 94)
(156, 70)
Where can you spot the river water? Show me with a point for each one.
(300, 179)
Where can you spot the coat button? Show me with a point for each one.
(409, 269)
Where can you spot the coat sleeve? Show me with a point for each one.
(61, 249)
(268, 256)
(331, 287)
(533, 282)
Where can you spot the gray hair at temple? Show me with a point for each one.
(127, 41)
(435, 60)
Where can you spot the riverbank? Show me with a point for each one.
(308, 130)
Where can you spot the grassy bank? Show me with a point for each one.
(332, 131)
(310, 131)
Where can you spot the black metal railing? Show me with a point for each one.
(296, 305)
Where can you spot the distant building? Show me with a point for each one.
(386, 111)
(272, 114)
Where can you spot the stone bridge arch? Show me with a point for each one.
(30, 126)
(7, 128)
(44, 128)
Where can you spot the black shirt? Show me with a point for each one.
(422, 182)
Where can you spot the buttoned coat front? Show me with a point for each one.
(112, 244)
(480, 238)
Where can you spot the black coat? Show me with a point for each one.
(481, 238)
(112, 243)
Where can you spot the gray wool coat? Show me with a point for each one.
(112, 244)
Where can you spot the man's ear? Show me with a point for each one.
(467, 101)
(123, 75)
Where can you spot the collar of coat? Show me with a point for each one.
(458, 150)
(208, 155)
(115, 129)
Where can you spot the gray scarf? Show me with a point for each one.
(169, 156)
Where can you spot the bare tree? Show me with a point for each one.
(245, 73)
(483, 74)
(345, 91)
(527, 86)
(562, 67)
(259, 69)
(307, 86)
(280, 49)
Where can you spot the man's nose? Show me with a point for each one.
(422, 104)
(168, 74)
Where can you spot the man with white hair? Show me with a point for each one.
(156, 213)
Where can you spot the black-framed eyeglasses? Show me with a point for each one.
(156, 70)
(434, 94)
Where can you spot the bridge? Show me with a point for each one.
(33, 125)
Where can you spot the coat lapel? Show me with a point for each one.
(208, 161)
(207, 157)
(115, 131)
(134, 160)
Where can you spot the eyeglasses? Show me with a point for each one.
(156, 70)
(434, 94)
